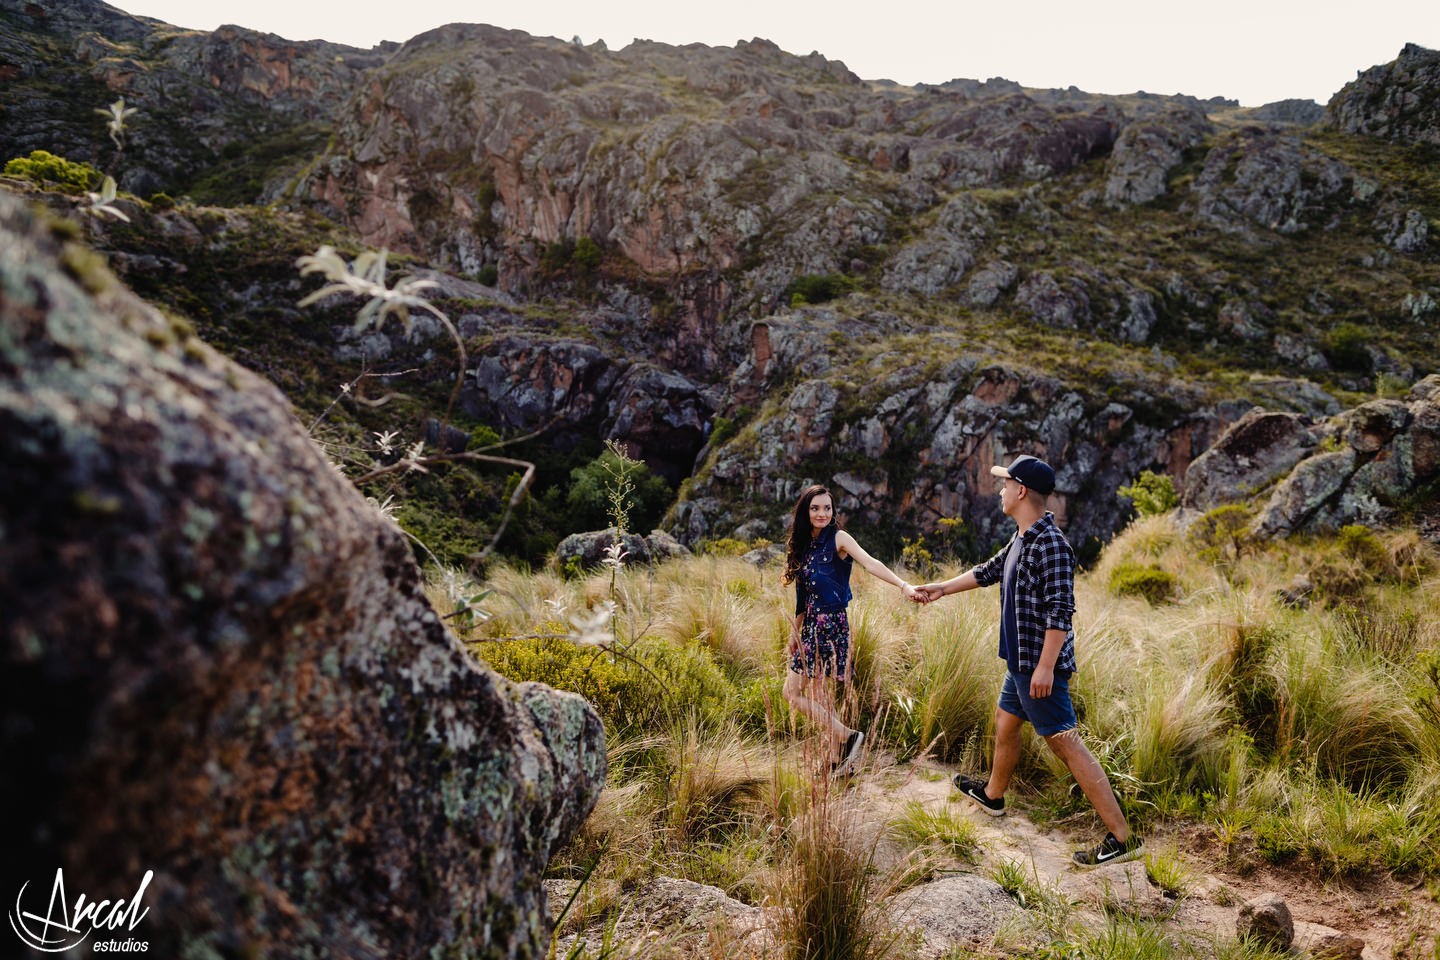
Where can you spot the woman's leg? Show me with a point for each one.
(814, 697)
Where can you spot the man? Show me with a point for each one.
(1036, 571)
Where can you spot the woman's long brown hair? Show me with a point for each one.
(800, 533)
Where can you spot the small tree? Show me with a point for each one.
(614, 488)
(1151, 493)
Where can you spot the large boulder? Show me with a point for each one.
(954, 913)
(588, 550)
(1370, 459)
(220, 666)
(1250, 455)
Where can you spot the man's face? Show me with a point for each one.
(1010, 494)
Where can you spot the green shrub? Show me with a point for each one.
(1221, 533)
(726, 547)
(162, 201)
(586, 256)
(489, 275)
(1151, 493)
(917, 557)
(632, 690)
(47, 169)
(620, 692)
(818, 288)
(589, 497)
(1151, 582)
(1345, 347)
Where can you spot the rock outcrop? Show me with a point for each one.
(964, 911)
(916, 443)
(574, 390)
(1252, 454)
(1368, 460)
(1148, 149)
(1397, 101)
(479, 146)
(1353, 468)
(219, 664)
(1260, 178)
(235, 100)
(588, 550)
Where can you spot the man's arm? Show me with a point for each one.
(956, 584)
(1042, 681)
(980, 575)
(1057, 575)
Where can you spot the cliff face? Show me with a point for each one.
(224, 111)
(746, 166)
(832, 275)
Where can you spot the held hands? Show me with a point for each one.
(925, 593)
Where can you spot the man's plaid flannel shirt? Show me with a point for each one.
(1044, 593)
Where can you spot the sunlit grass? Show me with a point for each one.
(1304, 734)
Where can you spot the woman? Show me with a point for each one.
(818, 557)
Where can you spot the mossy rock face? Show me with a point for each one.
(1394, 101)
(219, 664)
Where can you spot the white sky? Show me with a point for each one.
(1254, 51)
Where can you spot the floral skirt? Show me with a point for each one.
(824, 645)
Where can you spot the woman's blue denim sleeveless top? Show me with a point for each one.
(824, 579)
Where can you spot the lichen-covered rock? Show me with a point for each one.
(1257, 177)
(1251, 454)
(1266, 919)
(219, 663)
(1397, 101)
(590, 549)
(964, 911)
(943, 254)
(1055, 301)
(1148, 149)
(1369, 459)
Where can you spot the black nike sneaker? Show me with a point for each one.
(1111, 850)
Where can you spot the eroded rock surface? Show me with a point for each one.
(220, 665)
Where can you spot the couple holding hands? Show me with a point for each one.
(1036, 574)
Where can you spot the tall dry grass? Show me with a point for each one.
(1243, 702)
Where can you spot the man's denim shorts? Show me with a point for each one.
(1048, 715)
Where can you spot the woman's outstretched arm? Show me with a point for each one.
(847, 546)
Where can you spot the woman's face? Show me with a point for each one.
(822, 511)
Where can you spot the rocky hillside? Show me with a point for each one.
(758, 269)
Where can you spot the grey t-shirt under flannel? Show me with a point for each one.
(1042, 598)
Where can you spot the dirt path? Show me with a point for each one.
(1393, 919)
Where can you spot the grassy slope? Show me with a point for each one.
(1272, 736)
